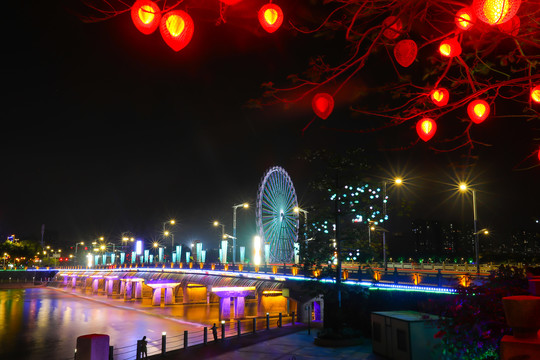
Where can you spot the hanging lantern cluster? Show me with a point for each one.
(426, 128)
(535, 94)
(322, 104)
(450, 47)
(440, 96)
(405, 52)
(478, 111)
(393, 27)
(465, 18)
(177, 29)
(146, 16)
(177, 26)
(270, 17)
(495, 12)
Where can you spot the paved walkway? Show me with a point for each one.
(287, 343)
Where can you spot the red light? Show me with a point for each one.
(86, 248)
(440, 96)
(177, 29)
(511, 27)
(535, 94)
(494, 12)
(426, 128)
(145, 15)
(478, 111)
(405, 52)
(270, 17)
(322, 105)
(230, 2)
(465, 18)
(450, 48)
(392, 26)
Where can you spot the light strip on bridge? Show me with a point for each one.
(370, 285)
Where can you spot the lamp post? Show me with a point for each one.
(245, 206)
(396, 181)
(464, 188)
(76, 245)
(217, 223)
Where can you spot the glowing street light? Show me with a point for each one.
(463, 187)
(245, 206)
(76, 245)
(397, 181)
(217, 223)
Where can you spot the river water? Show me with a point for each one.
(44, 323)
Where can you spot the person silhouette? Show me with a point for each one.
(143, 350)
(214, 331)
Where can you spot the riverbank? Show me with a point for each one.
(21, 285)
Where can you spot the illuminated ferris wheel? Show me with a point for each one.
(277, 223)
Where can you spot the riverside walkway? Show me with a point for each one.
(286, 343)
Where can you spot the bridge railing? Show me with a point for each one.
(226, 330)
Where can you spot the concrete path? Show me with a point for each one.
(287, 343)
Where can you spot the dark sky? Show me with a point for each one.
(107, 130)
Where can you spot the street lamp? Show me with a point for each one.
(217, 223)
(245, 206)
(76, 245)
(464, 188)
(397, 181)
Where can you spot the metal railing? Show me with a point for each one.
(226, 329)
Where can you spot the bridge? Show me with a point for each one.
(276, 289)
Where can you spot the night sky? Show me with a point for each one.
(106, 130)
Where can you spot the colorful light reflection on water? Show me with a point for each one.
(42, 323)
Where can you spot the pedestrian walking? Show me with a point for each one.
(214, 331)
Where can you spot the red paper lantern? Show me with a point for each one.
(392, 26)
(478, 111)
(535, 94)
(177, 29)
(146, 16)
(230, 2)
(270, 17)
(450, 47)
(426, 128)
(440, 96)
(405, 52)
(322, 105)
(511, 27)
(494, 12)
(465, 18)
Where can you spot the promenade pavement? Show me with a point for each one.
(287, 343)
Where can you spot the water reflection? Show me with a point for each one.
(45, 323)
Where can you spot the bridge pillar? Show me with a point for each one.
(128, 290)
(260, 310)
(239, 307)
(122, 286)
(156, 296)
(224, 308)
(138, 289)
(74, 282)
(185, 294)
(95, 285)
(208, 293)
(65, 280)
(109, 287)
(169, 298)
